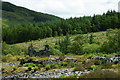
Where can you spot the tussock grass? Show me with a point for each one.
(101, 74)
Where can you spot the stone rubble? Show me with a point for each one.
(56, 73)
(49, 74)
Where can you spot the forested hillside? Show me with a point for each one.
(20, 15)
(25, 32)
(21, 24)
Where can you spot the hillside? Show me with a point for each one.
(38, 44)
(30, 25)
(16, 14)
(98, 42)
(17, 60)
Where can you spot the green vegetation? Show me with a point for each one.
(11, 50)
(81, 38)
(14, 68)
(79, 68)
(103, 42)
(29, 64)
(62, 57)
(22, 15)
(47, 67)
(113, 43)
(50, 26)
(29, 68)
(68, 77)
(94, 67)
(3, 70)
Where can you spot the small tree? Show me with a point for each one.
(91, 39)
(64, 44)
(76, 47)
(113, 43)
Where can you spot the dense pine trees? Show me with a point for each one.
(25, 32)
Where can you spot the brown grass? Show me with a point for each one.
(101, 74)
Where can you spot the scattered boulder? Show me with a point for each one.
(116, 59)
(105, 60)
(71, 59)
(11, 64)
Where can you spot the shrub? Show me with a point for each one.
(63, 76)
(90, 39)
(63, 64)
(9, 55)
(88, 64)
(76, 48)
(97, 62)
(73, 76)
(3, 69)
(24, 60)
(107, 66)
(114, 66)
(36, 68)
(62, 57)
(91, 56)
(94, 67)
(29, 68)
(39, 65)
(71, 64)
(91, 48)
(14, 68)
(56, 66)
(79, 67)
(113, 43)
(57, 47)
(55, 51)
(29, 64)
(47, 67)
(83, 61)
(4, 59)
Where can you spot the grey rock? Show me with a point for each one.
(116, 59)
(11, 64)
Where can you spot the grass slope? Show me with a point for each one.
(39, 44)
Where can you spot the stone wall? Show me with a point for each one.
(33, 53)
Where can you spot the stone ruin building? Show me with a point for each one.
(33, 53)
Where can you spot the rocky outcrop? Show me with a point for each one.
(50, 61)
(71, 59)
(10, 64)
(115, 59)
(104, 59)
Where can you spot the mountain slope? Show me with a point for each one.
(16, 14)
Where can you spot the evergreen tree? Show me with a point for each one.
(64, 44)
